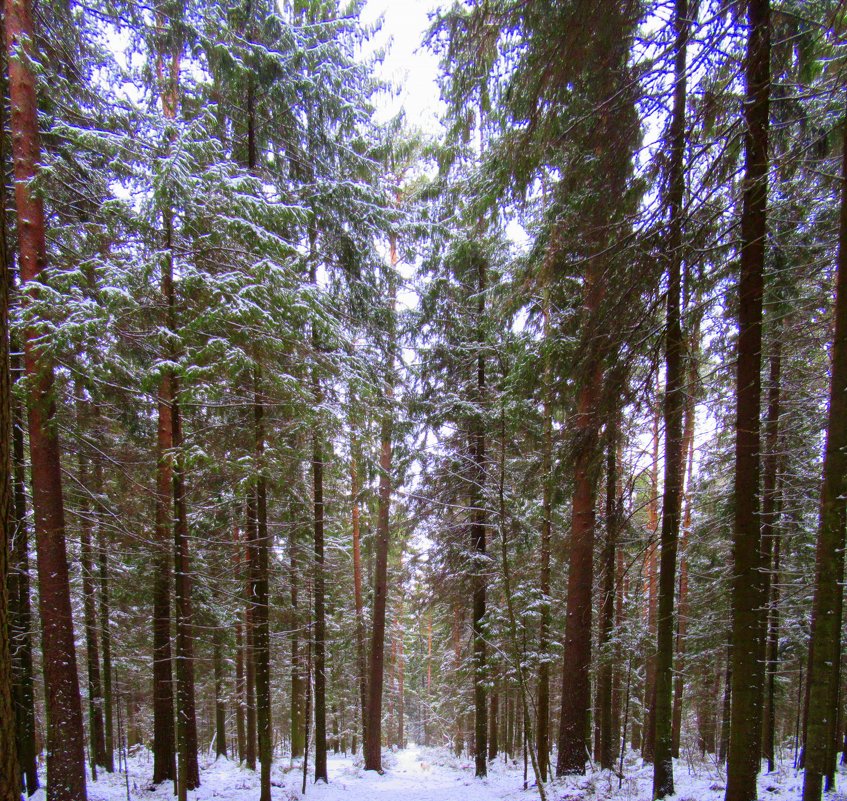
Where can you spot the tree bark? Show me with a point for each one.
(19, 597)
(96, 729)
(542, 731)
(262, 645)
(747, 601)
(608, 737)
(576, 690)
(770, 542)
(478, 527)
(674, 405)
(825, 642)
(188, 770)
(10, 778)
(361, 655)
(105, 624)
(65, 738)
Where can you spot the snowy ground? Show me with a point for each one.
(430, 774)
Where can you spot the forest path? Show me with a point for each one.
(414, 774)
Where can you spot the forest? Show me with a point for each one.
(348, 456)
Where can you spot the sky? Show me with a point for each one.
(408, 65)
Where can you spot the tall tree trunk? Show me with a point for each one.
(576, 690)
(747, 601)
(249, 634)
(478, 527)
(164, 735)
(105, 624)
(542, 732)
(297, 730)
(373, 745)
(770, 534)
(10, 778)
(24, 690)
(262, 644)
(651, 566)
(188, 770)
(220, 702)
(240, 682)
(96, 729)
(65, 738)
(608, 736)
(320, 612)
(825, 642)
(682, 612)
(674, 405)
(361, 656)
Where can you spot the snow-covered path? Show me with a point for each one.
(414, 776)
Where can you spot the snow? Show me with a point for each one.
(434, 774)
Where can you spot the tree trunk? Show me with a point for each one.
(478, 526)
(674, 405)
(747, 601)
(607, 736)
(249, 635)
(188, 773)
(320, 613)
(373, 744)
(261, 635)
(96, 729)
(240, 682)
(682, 612)
(770, 529)
(65, 737)
(297, 731)
(361, 656)
(825, 642)
(220, 702)
(651, 565)
(105, 624)
(542, 732)
(24, 690)
(10, 779)
(576, 690)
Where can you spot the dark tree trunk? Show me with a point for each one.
(373, 745)
(361, 655)
(96, 729)
(65, 737)
(188, 770)
(770, 541)
(607, 735)
(240, 682)
(220, 702)
(825, 642)
(682, 612)
(747, 601)
(10, 779)
(576, 689)
(24, 690)
(297, 731)
(249, 635)
(478, 526)
(674, 405)
(261, 635)
(542, 732)
(105, 625)
(320, 613)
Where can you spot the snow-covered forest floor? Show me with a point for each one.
(434, 774)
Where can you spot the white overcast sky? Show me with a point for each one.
(408, 65)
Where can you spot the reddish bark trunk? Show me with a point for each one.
(65, 738)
